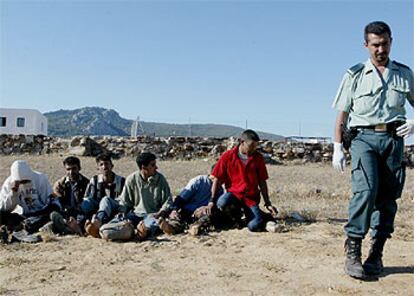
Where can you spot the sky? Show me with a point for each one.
(272, 66)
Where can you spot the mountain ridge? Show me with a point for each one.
(100, 121)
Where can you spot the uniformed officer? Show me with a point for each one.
(373, 94)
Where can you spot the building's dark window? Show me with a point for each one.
(20, 122)
(2, 121)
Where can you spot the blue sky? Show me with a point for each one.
(274, 64)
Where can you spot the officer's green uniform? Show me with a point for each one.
(378, 173)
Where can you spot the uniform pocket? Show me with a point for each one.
(397, 96)
(359, 178)
(362, 102)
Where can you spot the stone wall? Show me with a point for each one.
(179, 148)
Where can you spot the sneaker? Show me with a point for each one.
(24, 237)
(271, 226)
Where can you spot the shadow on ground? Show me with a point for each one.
(389, 270)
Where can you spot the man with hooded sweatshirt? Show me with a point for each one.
(31, 191)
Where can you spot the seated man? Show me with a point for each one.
(31, 191)
(244, 174)
(70, 190)
(100, 196)
(190, 207)
(146, 197)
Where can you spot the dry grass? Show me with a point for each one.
(315, 191)
(305, 259)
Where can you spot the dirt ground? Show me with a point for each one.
(306, 259)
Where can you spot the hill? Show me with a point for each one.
(101, 121)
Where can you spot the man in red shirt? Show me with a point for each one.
(244, 174)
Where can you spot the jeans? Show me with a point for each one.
(254, 215)
(106, 208)
(89, 206)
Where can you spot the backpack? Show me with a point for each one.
(123, 230)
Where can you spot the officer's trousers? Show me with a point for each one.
(378, 176)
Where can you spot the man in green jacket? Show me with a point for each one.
(146, 197)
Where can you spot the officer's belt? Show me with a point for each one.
(382, 127)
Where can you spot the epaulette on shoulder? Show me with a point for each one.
(355, 69)
(401, 65)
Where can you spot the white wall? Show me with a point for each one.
(35, 122)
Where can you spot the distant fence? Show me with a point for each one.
(176, 148)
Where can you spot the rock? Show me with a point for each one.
(218, 149)
(298, 150)
(77, 151)
(188, 147)
(29, 139)
(268, 147)
(170, 148)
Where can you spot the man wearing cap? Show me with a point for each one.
(371, 101)
(31, 191)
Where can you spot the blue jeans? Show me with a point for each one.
(106, 208)
(89, 206)
(254, 215)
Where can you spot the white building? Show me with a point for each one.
(22, 122)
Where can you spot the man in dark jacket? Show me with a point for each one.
(70, 190)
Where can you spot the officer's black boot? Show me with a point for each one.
(353, 264)
(373, 264)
